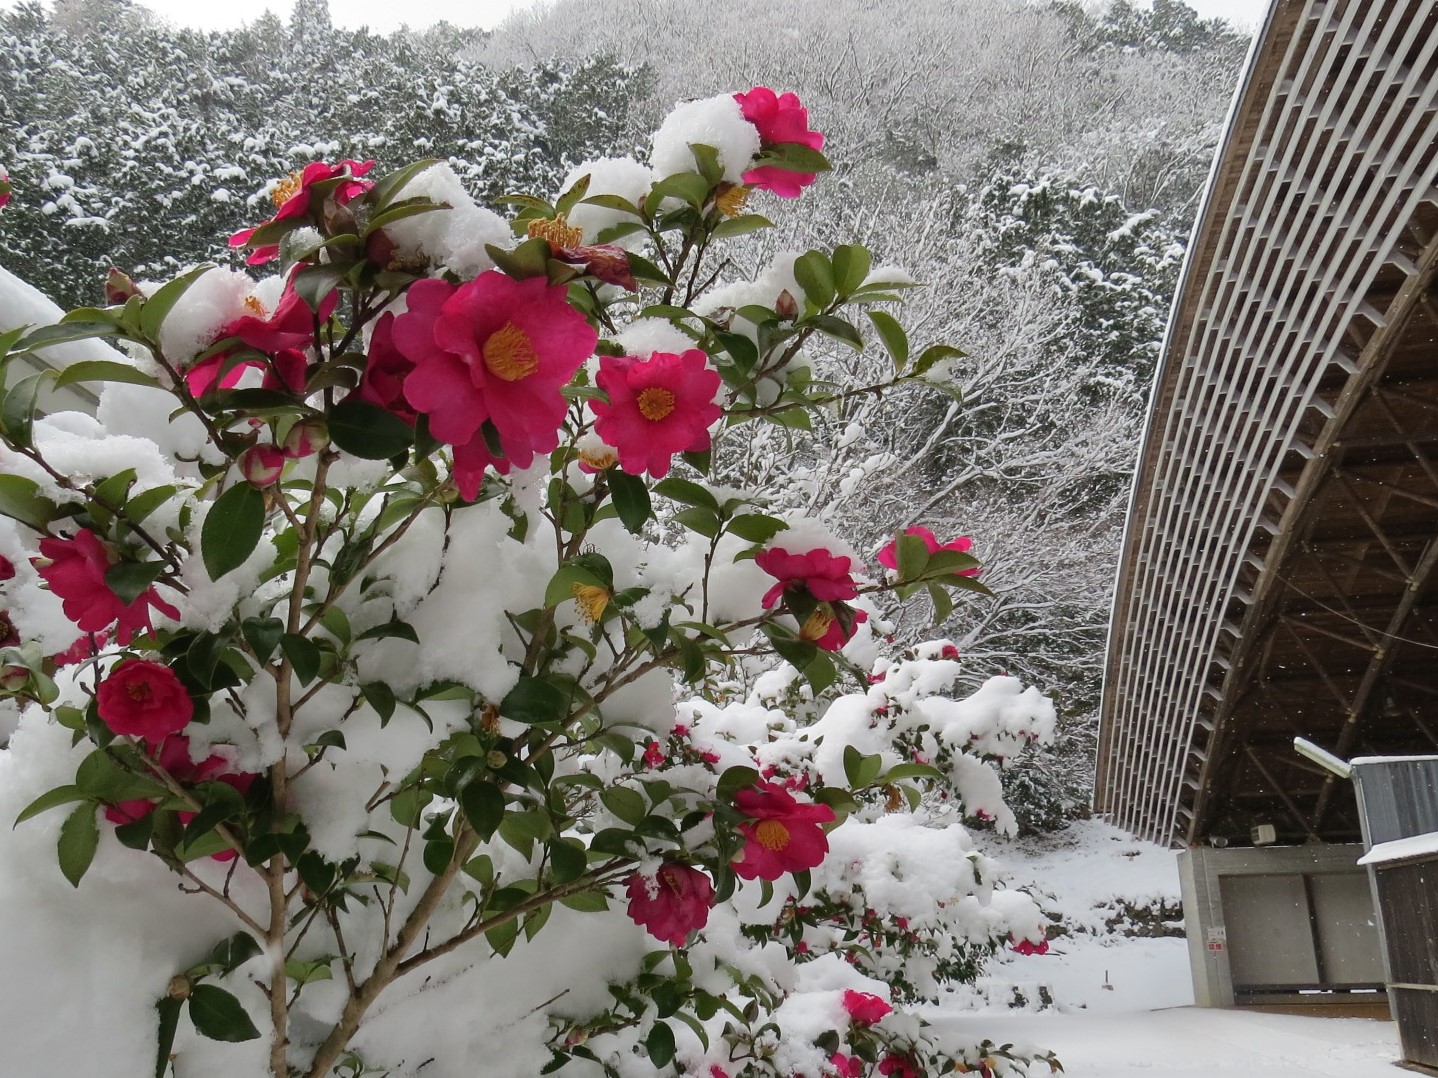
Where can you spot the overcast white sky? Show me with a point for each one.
(383, 15)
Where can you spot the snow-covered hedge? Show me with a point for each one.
(393, 690)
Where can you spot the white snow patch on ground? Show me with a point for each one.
(1122, 1007)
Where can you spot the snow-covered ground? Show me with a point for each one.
(1122, 1006)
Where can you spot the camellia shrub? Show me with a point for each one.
(397, 689)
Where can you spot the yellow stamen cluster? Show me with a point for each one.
(591, 601)
(772, 834)
(509, 355)
(489, 720)
(254, 306)
(559, 232)
(285, 189)
(655, 403)
(816, 625)
(732, 198)
(600, 459)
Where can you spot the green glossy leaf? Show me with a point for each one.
(535, 700)
(631, 500)
(169, 1020)
(313, 283)
(20, 499)
(795, 157)
(158, 305)
(816, 277)
(741, 225)
(568, 859)
(101, 370)
(689, 187)
(943, 603)
(64, 333)
(896, 341)
(683, 490)
(586, 901)
(131, 579)
(629, 805)
(392, 183)
(932, 355)
(17, 413)
(570, 198)
(219, 1015)
(232, 529)
(138, 508)
(263, 636)
(79, 838)
(400, 630)
(612, 202)
(704, 521)
(483, 805)
(366, 430)
(232, 953)
(303, 655)
(60, 795)
(851, 265)
(660, 1045)
(837, 328)
(756, 527)
(303, 973)
(735, 779)
(380, 697)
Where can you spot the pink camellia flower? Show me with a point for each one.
(285, 371)
(382, 383)
(899, 1066)
(1029, 947)
(779, 118)
(291, 325)
(129, 811)
(889, 556)
(864, 1007)
(782, 835)
(657, 407)
(82, 650)
(292, 199)
(4, 188)
(493, 350)
(825, 576)
(7, 568)
(74, 569)
(847, 1066)
(262, 465)
(653, 754)
(145, 699)
(672, 903)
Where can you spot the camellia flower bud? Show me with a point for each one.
(786, 306)
(13, 678)
(119, 287)
(262, 465)
(306, 438)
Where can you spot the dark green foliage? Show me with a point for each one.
(142, 145)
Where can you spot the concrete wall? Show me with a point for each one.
(1277, 915)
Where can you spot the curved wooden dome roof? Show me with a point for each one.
(1277, 577)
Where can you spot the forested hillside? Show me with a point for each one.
(133, 143)
(1037, 167)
